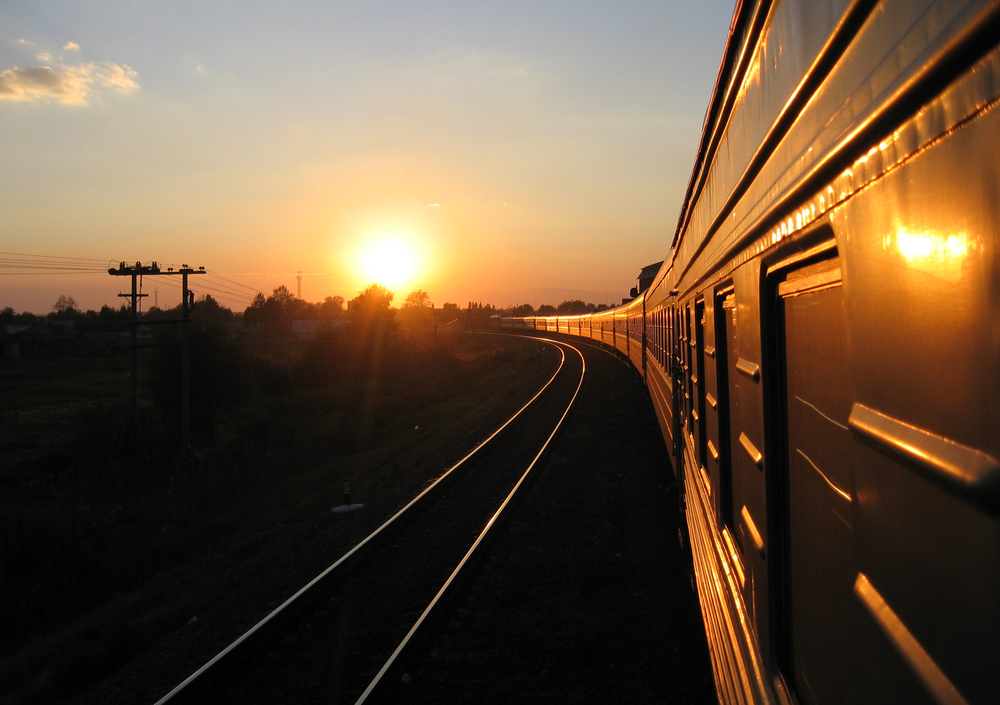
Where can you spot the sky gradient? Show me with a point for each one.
(527, 151)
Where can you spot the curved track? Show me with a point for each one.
(347, 627)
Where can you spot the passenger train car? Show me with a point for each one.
(822, 346)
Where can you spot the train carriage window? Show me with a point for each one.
(699, 382)
(688, 365)
(663, 337)
(725, 364)
(815, 483)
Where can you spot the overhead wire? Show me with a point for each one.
(49, 264)
(25, 264)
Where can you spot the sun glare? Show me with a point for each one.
(391, 263)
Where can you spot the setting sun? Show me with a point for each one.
(391, 263)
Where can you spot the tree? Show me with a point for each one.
(274, 313)
(9, 317)
(571, 307)
(372, 302)
(282, 296)
(418, 299)
(64, 304)
(254, 313)
(332, 308)
(208, 309)
(546, 310)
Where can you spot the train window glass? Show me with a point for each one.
(815, 399)
(725, 369)
(663, 337)
(657, 336)
(699, 382)
(688, 364)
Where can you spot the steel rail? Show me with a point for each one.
(189, 685)
(379, 680)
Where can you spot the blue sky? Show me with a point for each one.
(524, 151)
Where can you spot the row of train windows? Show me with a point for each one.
(782, 507)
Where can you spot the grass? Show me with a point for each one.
(103, 534)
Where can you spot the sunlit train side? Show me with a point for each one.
(822, 348)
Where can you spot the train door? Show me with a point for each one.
(814, 486)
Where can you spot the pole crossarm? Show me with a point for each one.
(151, 269)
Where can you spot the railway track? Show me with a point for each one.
(344, 636)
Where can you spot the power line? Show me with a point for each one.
(231, 281)
(50, 274)
(55, 257)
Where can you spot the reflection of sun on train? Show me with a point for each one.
(822, 349)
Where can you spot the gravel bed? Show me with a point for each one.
(586, 596)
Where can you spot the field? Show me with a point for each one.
(109, 538)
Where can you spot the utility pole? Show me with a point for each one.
(187, 303)
(298, 285)
(135, 272)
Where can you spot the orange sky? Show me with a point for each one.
(527, 152)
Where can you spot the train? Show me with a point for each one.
(822, 349)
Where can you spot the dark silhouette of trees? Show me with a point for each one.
(210, 310)
(576, 306)
(282, 296)
(332, 308)
(417, 310)
(8, 317)
(572, 307)
(275, 313)
(65, 305)
(372, 304)
(418, 299)
(109, 319)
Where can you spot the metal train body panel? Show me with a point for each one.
(821, 349)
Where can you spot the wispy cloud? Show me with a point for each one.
(71, 46)
(44, 56)
(70, 85)
(26, 42)
(483, 72)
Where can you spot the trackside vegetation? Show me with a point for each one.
(96, 503)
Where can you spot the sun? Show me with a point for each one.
(389, 262)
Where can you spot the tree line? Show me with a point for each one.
(566, 308)
(275, 313)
